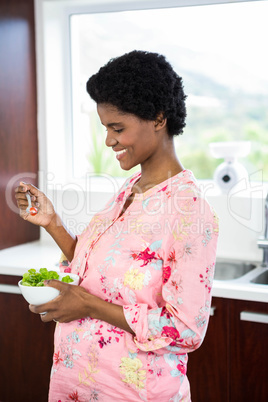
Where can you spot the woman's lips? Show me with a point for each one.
(120, 154)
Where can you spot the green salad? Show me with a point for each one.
(34, 278)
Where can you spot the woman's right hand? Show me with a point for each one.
(46, 212)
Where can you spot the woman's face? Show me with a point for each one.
(134, 141)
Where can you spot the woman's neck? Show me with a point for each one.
(153, 175)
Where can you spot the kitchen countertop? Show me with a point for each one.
(17, 260)
(242, 288)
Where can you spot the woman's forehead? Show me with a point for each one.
(110, 114)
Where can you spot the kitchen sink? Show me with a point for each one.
(261, 279)
(225, 270)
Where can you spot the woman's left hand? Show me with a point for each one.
(73, 303)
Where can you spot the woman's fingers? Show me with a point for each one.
(43, 210)
(71, 304)
(20, 195)
(24, 187)
(20, 189)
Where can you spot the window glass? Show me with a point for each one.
(221, 53)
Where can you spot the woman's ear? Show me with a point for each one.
(160, 121)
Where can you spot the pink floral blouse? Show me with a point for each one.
(157, 261)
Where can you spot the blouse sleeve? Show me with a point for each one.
(179, 324)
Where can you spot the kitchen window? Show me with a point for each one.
(218, 49)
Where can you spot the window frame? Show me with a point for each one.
(55, 107)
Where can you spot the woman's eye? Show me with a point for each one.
(118, 131)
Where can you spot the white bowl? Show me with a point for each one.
(42, 294)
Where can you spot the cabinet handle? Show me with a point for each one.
(254, 317)
(212, 311)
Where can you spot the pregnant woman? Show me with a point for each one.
(146, 262)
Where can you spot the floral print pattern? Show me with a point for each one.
(157, 261)
(134, 279)
(132, 373)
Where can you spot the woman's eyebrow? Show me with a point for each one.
(113, 124)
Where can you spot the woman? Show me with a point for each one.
(146, 262)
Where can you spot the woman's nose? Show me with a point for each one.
(110, 141)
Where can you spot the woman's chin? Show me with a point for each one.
(126, 167)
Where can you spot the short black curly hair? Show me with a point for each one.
(144, 84)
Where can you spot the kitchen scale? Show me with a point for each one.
(230, 172)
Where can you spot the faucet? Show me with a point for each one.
(263, 241)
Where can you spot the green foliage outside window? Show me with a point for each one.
(203, 127)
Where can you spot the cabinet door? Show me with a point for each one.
(249, 351)
(208, 366)
(26, 349)
(18, 106)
